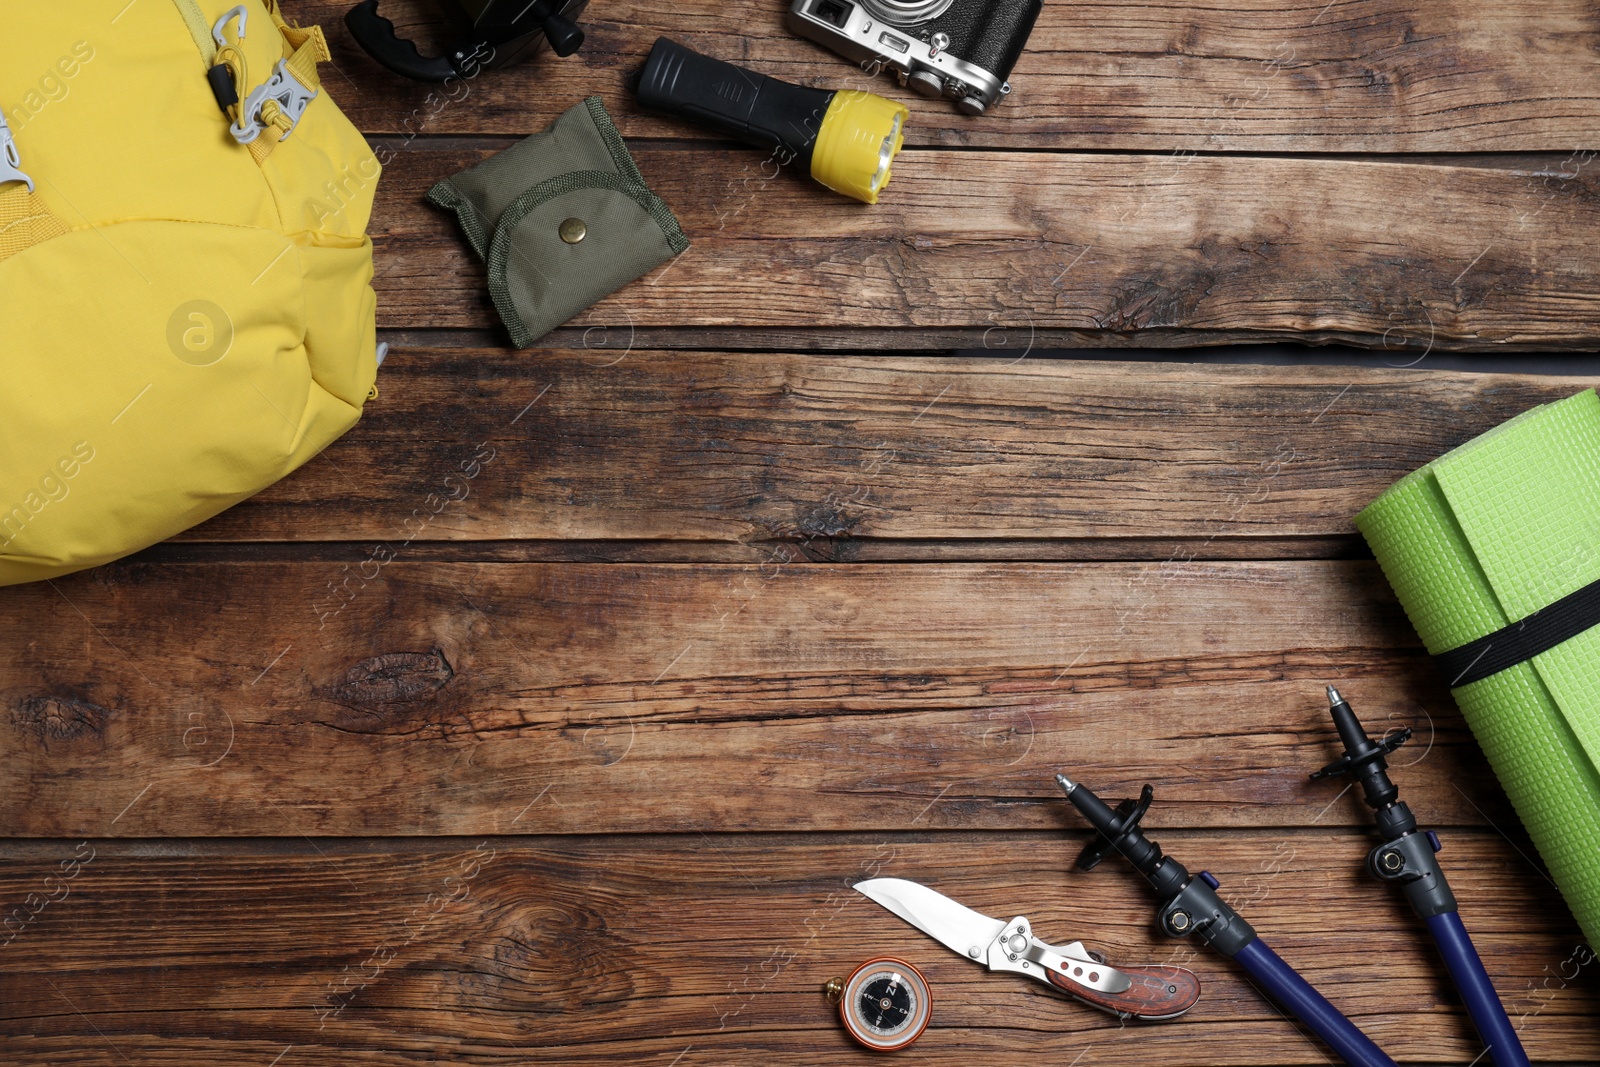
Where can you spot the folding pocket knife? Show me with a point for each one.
(1152, 993)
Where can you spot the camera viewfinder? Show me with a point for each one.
(832, 11)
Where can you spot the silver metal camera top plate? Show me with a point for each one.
(879, 45)
(905, 13)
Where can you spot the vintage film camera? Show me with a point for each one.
(961, 49)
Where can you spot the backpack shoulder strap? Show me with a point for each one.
(303, 48)
(24, 219)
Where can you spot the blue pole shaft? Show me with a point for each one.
(1293, 992)
(1472, 981)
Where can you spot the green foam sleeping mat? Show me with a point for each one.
(1479, 540)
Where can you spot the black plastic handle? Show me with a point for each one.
(375, 34)
(740, 103)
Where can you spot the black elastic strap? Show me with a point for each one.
(1521, 641)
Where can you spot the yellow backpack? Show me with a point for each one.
(186, 312)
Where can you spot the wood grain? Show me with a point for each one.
(1354, 76)
(839, 455)
(808, 549)
(1411, 256)
(933, 340)
(714, 949)
(345, 777)
(490, 698)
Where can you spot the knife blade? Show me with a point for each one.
(1151, 992)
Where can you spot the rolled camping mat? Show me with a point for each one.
(1474, 544)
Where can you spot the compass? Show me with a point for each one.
(884, 1004)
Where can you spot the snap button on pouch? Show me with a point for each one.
(573, 230)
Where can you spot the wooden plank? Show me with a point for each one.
(836, 455)
(843, 549)
(1403, 255)
(1355, 76)
(912, 339)
(713, 950)
(433, 698)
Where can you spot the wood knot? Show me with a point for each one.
(564, 949)
(61, 719)
(826, 520)
(392, 678)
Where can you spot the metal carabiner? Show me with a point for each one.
(233, 13)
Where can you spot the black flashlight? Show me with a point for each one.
(847, 138)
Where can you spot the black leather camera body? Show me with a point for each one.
(960, 49)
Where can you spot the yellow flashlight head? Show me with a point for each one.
(859, 137)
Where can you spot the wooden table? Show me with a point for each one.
(548, 717)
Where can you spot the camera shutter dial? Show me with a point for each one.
(925, 83)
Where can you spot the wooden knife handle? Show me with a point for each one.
(1157, 992)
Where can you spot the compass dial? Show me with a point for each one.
(885, 1004)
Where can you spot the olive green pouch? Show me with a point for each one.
(562, 218)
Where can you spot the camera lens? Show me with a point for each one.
(906, 12)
